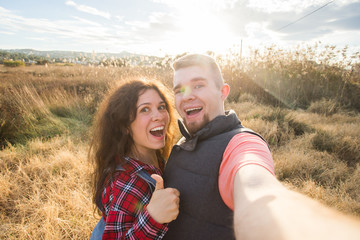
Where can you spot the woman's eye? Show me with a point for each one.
(198, 86)
(162, 107)
(145, 109)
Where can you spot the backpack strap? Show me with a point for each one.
(144, 175)
(98, 230)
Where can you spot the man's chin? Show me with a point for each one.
(193, 127)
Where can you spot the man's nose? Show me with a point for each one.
(187, 93)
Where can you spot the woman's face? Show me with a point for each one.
(151, 123)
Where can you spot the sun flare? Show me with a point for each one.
(202, 29)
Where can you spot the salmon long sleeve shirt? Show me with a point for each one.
(243, 149)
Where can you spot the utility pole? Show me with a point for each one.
(240, 53)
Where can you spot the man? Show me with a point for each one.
(225, 172)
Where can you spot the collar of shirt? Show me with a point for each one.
(133, 166)
(220, 124)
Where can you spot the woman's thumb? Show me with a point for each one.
(159, 181)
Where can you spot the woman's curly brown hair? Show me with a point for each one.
(111, 140)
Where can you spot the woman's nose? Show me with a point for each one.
(157, 115)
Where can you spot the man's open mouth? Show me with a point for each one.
(158, 131)
(192, 111)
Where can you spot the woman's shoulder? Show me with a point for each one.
(132, 174)
(134, 166)
(128, 174)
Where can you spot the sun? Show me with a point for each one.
(201, 29)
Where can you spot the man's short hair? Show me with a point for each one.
(200, 60)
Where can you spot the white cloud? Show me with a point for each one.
(88, 22)
(87, 9)
(7, 32)
(3, 10)
(119, 18)
(137, 24)
(157, 22)
(79, 28)
(38, 39)
(198, 4)
(277, 6)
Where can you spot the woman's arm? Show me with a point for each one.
(265, 209)
(125, 205)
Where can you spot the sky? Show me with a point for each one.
(159, 27)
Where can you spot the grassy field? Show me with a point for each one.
(307, 111)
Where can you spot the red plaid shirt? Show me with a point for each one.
(125, 200)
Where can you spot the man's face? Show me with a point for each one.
(197, 97)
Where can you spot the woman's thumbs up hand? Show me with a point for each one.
(164, 203)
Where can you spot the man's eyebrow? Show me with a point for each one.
(176, 87)
(196, 79)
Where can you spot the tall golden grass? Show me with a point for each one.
(46, 113)
(45, 191)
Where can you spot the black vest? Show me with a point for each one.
(193, 169)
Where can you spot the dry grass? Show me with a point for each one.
(45, 117)
(45, 192)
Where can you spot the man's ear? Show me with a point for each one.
(225, 90)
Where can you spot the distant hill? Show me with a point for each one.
(69, 54)
(36, 56)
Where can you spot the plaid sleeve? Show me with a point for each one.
(126, 217)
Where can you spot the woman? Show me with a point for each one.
(133, 134)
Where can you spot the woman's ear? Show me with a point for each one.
(225, 90)
(128, 131)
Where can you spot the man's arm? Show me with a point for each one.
(265, 209)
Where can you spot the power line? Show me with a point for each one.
(305, 16)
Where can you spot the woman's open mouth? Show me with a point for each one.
(157, 131)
